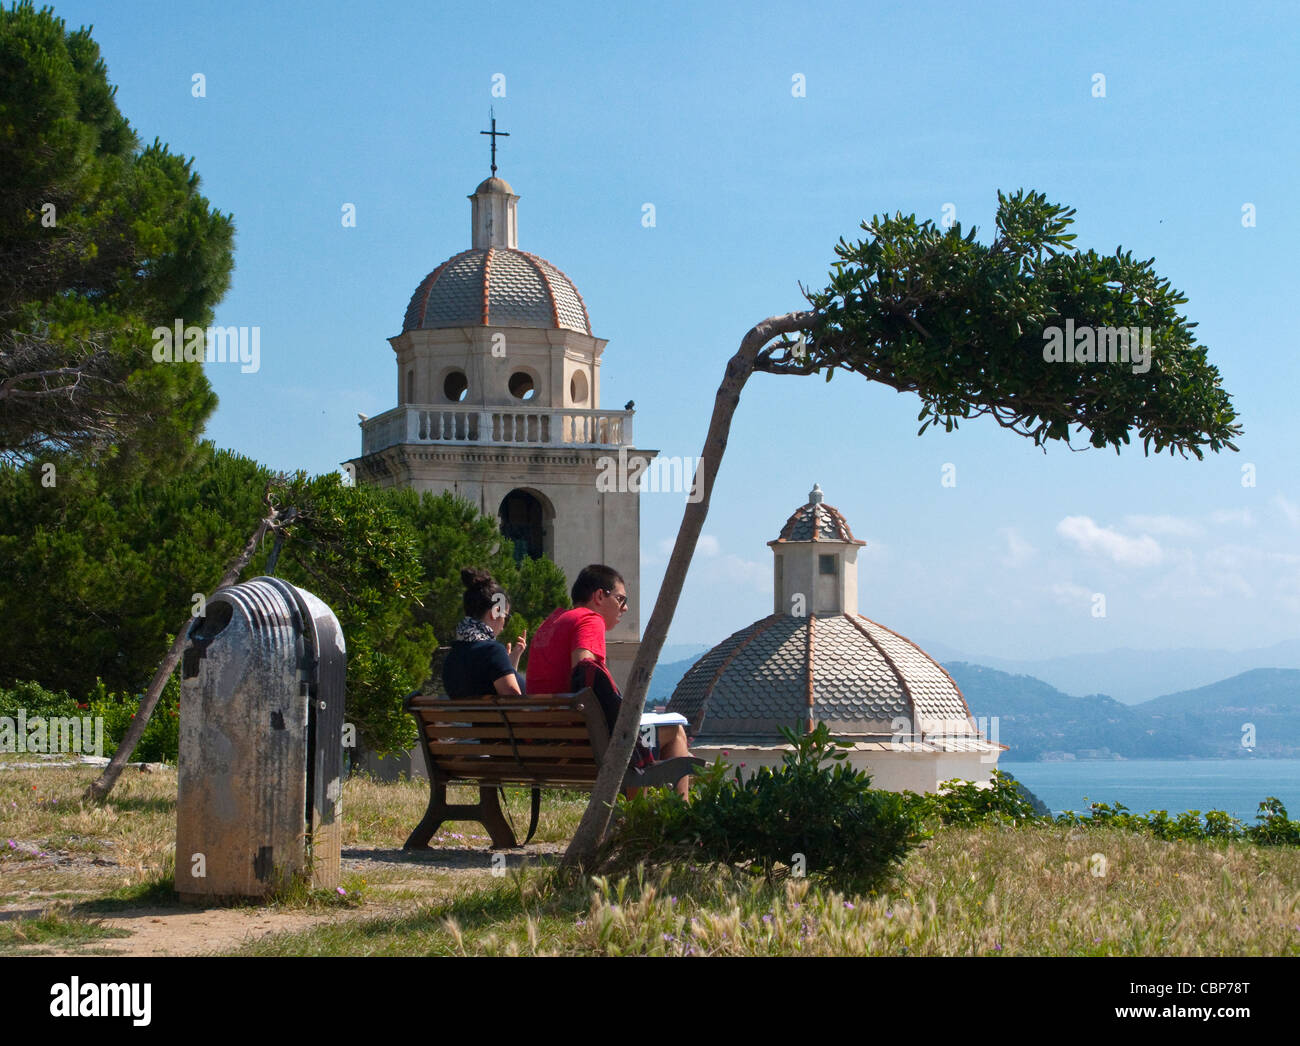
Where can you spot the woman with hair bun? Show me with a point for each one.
(478, 663)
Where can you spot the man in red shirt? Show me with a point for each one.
(569, 637)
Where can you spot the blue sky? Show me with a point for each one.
(690, 107)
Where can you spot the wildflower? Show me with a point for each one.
(668, 937)
(1097, 940)
(342, 892)
(997, 947)
(672, 900)
(14, 846)
(889, 914)
(848, 904)
(767, 918)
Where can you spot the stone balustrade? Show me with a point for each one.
(497, 426)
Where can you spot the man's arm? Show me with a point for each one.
(587, 636)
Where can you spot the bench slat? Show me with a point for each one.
(493, 716)
(505, 775)
(436, 731)
(432, 700)
(526, 751)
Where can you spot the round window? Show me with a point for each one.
(521, 386)
(455, 386)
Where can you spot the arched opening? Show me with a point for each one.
(525, 523)
(578, 388)
(455, 385)
(410, 386)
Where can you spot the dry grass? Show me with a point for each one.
(969, 891)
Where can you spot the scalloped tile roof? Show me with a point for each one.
(863, 677)
(496, 286)
(817, 522)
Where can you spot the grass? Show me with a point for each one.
(968, 891)
(54, 926)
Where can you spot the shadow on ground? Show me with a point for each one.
(449, 858)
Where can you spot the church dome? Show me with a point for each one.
(817, 660)
(855, 675)
(494, 184)
(496, 286)
(494, 283)
(816, 521)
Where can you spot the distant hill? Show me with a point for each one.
(1262, 706)
(1132, 676)
(1040, 722)
(666, 678)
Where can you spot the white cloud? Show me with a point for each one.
(1289, 509)
(1109, 543)
(706, 546)
(1168, 526)
(1241, 516)
(1018, 551)
(747, 572)
(1070, 594)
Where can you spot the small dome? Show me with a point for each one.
(857, 676)
(494, 184)
(816, 521)
(496, 286)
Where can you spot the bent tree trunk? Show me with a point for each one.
(99, 789)
(595, 820)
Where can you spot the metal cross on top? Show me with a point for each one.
(494, 132)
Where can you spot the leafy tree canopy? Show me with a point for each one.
(962, 324)
(453, 535)
(101, 241)
(99, 573)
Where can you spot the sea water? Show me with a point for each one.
(1236, 786)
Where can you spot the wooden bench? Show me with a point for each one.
(546, 741)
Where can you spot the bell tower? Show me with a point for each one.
(498, 400)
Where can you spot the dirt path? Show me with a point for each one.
(167, 931)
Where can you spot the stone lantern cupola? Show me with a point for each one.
(815, 562)
(494, 214)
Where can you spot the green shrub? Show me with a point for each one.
(815, 815)
(35, 700)
(965, 803)
(161, 740)
(1274, 828)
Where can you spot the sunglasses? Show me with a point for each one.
(620, 599)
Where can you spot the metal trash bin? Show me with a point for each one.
(263, 679)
